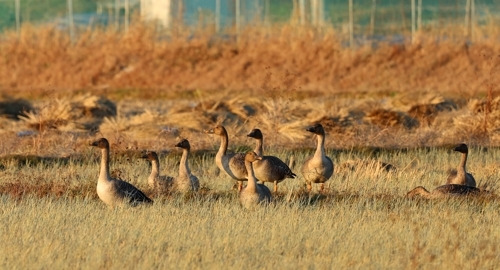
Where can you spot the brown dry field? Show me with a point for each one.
(143, 89)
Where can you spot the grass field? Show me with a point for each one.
(402, 104)
(362, 220)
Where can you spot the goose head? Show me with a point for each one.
(101, 143)
(251, 156)
(255, 133)
(150, 155)
(184, 144)
(316, 129)
(217, 130)
(462, 148)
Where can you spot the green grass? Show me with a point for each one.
(362, 220)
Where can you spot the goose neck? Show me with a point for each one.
(320, 148)
(258, 147)
(155, 168)
(104, 171)
(224, 141)
(463, 161)
(252, 181)
(184, 166)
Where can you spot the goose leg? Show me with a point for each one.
(275, 186)
(240, 185)
(309, 186)
(322, 187)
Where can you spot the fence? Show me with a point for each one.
(354, 18)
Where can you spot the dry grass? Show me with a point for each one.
(362, 220)
(63, 127)
(297, 61)
(147, 91)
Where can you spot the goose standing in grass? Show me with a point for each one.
(268, 168)
(319, 167)
(159, 183)
(443, 191)
(115, 192)
(460, 176)
(233, 164)
(253, 194)
(186, 181)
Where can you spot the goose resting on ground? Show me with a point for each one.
(319, 167)
(159, 183)
(234, 163)
(253, 194)
(443, 191)
(115, 192)
(460, 176)
(269, 168)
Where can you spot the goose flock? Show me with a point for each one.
(255, 168)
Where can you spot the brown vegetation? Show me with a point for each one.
(284, 58)
(147, 91)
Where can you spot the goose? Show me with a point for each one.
(159, 183)
(443, 191)
(319, 167)
(460, 176)
(233, 164)
(253, 194)
(268, 168)
(115, 192)
(186, 181)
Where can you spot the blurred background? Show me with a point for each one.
(355, 20)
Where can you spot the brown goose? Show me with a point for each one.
(269, 168)
(319, 167)
(443, 191)
(115, 192)
(460, 176)
(186, 181)
(159, 183)
(233, 164)
(253, 194)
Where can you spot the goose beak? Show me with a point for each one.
(177, 145)
(93, 143)
(310, 129)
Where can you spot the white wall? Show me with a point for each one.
(159, 10)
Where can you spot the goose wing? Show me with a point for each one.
(278, 166)
(264, 193)
(133, 194)
(236, 164)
